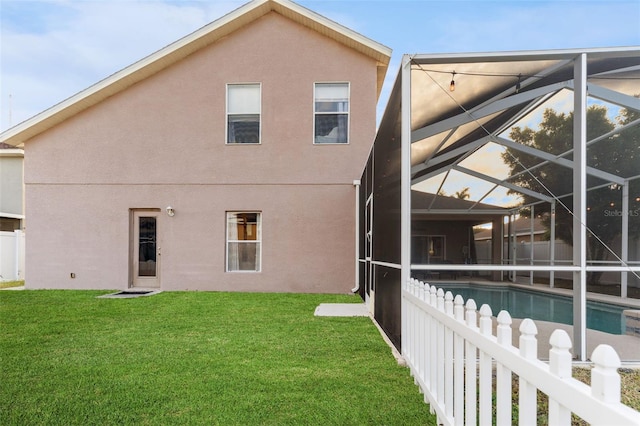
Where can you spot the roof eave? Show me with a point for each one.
(185, 46)
(17, 152)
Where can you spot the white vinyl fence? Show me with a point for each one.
(12, 255)
(453, 356)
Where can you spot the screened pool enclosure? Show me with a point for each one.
(477, 140)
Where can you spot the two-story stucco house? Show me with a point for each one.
(225, 161)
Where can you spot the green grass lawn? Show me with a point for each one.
(67, 357)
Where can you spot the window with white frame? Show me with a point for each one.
(244, 240)
(243, 113)
(331, 113)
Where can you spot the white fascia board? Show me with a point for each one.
(16, 152)
(11, 215)
(332, 25)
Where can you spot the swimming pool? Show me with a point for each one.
(521, 303)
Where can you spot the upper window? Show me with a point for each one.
(331, 111)
(244, 238)
(243, 113)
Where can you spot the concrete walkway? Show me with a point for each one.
(341, 310)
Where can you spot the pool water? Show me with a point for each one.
(536, 305)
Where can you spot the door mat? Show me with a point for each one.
(129, 294)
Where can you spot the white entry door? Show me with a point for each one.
(145, 250)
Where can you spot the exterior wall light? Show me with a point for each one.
(170, 211)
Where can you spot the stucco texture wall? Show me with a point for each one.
(306, 240)
(162, 142)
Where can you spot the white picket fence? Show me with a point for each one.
(12, 246)
(453, 356)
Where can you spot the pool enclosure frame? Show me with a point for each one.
(398, 161)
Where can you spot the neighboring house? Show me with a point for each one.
(12, 247)
(520, 228)
(11, 188)
(225, 161)
(540, 250)
(442, 228)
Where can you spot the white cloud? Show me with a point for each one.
(78, 43)
(51, 49)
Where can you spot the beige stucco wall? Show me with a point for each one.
(161, 142)
(306, 240)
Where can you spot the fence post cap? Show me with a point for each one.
(605, 356)
(528, 327)
(504, 318)
(560, 339)
(485, 310)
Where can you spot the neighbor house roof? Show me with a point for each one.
(425, 206)
(7, 150)
(423, 202)
(520, 226)
(184, 47)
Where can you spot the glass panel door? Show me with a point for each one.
(147, 246)
(145, 250)
(427, 249)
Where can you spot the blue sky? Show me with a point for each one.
(50, 50)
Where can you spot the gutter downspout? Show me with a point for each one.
(356, 184)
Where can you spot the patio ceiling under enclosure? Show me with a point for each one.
(555, 131)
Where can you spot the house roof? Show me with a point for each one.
(425, 206)
(431, 203)
(182, 48)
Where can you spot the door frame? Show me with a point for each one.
(135, 280)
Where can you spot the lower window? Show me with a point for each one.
(243, 241)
